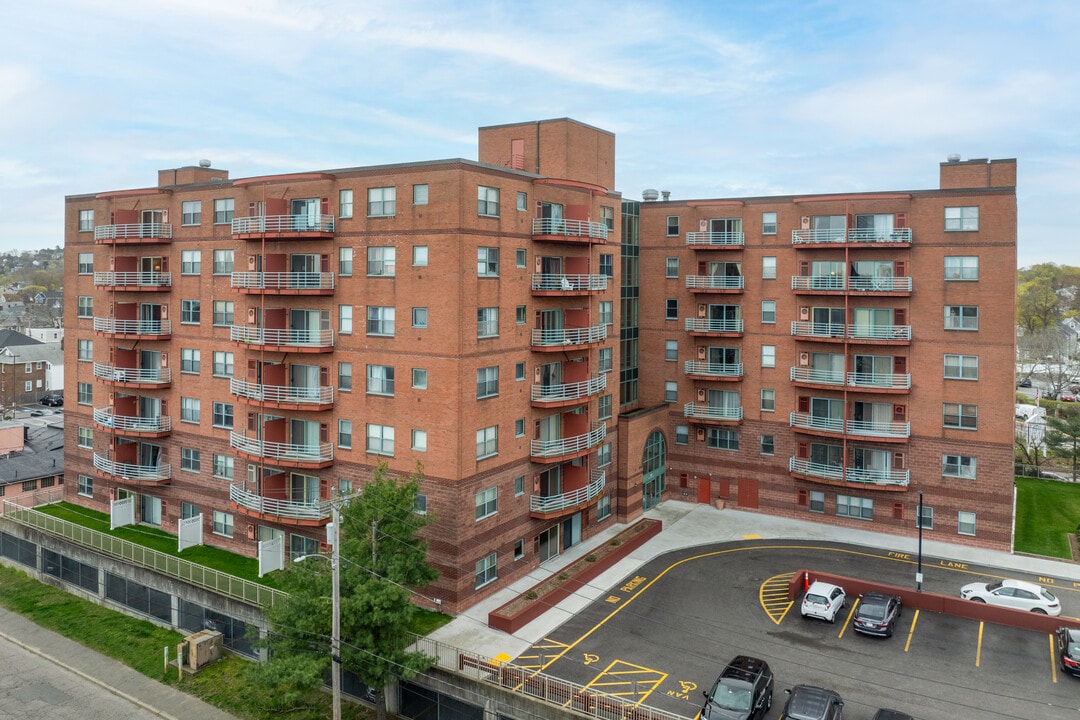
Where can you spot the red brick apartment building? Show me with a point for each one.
(248, 348)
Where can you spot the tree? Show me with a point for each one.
(381, 559)
(1049, 354)
(1063, 437)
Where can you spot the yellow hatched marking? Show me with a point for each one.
(627, 680)
(537, 660)
(773, 595)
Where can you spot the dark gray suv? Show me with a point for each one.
(812, 703)
(743, 691)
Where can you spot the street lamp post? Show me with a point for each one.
(919, 520)
(335, 593)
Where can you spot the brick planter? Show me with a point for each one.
(525, 608)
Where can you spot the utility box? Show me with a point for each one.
(202, 648)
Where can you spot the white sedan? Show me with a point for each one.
(823, 600)
(1015, 594)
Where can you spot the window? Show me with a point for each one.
(188, 510)
(519, 427)
(768, 444)
(487, 201)
(958, 267)
(85, 486)
(603, 411)
(521, 257)
(86, 263)
(345, 319)
(86, 220)
(722, 439)
(672, 225)
(768, 267)
(381, 201)
(223, 312)
(768, 356)
(682, 434)
(487, 382)
(768, 312)
(606, 312)
(224, 211)
(925, 520)
(671, 309)
(486, 570)
(671, 350)
(84, 393)
(607, 264)
(817, 501)
(344, 376)
(958, 415)
(419, 378)
(190, 360)
(420, 255)
(86, 306)
(380, 439)
(522, 201)
(419, 317)
(961, 219)
(420, 194)
(854, 507)
(768, 223)
(487, 503)
(768, 400)
(224, 261)
(603, 455)
(606, 359)
(86, 350)
(672, 268)
(961, 317)
(190, 312)
(519, 371)
(345, 257)
(487, 322)
(961, 466)
(962, 367)
(381, 261)
(487, 442)
(420, 504)
(419, 440)
(345, 203)
(603, 507)
(965, 523)
(190, 460)
(519, 486)
(223, 363)
(487, 262)
(607, 216)
(189, 409)
(671, 391)
(520, 315)
(86, 437)
(223, 523)
(380, 321)
(190, 262)
(223, 415)
(380, 380)
(191, 212)
(344, 433)
(224, 466)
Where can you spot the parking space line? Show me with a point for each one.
(851, 614)
(911, 632)
(978, 647)
(1053, 660)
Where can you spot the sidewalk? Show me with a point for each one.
(689, 525)
(155, 698)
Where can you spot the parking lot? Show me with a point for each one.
(661, 637)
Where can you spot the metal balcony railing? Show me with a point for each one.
(811, 375)
(569, 336)
(817, 282)
(283, 224)
(851, 235)
(320, 395)
(127, 471)
(133, 423)
(320, 452)
(113, 326)
(865, 476)
(705, 325)
(714, 239)
(133, 230)
(133, 279)
(880, 284)
(702, 411)
(279, 508)
(282, 280)
(571, 499)
(895, 381)
(806, 421)
(569, 228)
(113, 373)
(569, 283)
(871, 428)
(568, 391)
(701, 367)
(813, 469)
(565, 446)
(803, 328)
(715, 282)
(281, 337)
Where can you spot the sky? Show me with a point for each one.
(720, 98)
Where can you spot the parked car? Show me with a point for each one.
(1016, 594)
(884, 714)
(1067, 397)
(812, 703)
(1068, 648)
(744, 691)
(823, 600)
(1025, 383)
(877, 613)
(52, 399)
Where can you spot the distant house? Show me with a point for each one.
(51, 298)
(28, 368)
(33, 457)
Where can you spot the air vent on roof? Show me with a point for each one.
(204, 163)
(649, 195)
(954, 158)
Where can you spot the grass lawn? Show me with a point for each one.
(1046, 511)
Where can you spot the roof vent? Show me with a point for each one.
(666, 195)
(649, 195)
(204, 163)
(954, 158)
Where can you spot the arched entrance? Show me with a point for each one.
(653, 464)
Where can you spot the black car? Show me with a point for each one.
(1068, 648)
(52, 400)
(877, 614)
(743, 691)
(884, 714)
(812, 703)
(1025, 383)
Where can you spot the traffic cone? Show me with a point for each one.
(806, 581)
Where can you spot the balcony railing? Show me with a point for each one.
(568, 391)
(568, 445)
(803, 328)
(702, 411)
(133, 231)
(569, 228)
(880, 284)
(547, 282)
(714, 239)
(853, 475)
(892, 381)
(279, 508)
(281, 337)
(569, 336)
(568, 500)
(317, 453)
(283, 224)
(112, 326)
(113, 373)
(851, 235)
(715, 282)
(127, 471)
(320, 395)
(821, 377)
(131, 423)
(708, 369)
(286, 281)
(813, 469)
(871, 428)
(817, 282)
(806, 421)
(133, 279)
(705, 325)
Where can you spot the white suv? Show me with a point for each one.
(1014, 594)
(823, 600)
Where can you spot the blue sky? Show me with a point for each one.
(707, 99)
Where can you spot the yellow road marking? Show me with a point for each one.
(773, 596)
(751, 536)
(911, 632)
(850, 615)
(1053, 660)
(978, 648)
(622, 678)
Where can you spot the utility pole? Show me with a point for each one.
(335, 633)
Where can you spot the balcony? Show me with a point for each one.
(849, 477)
(713, 371)
(839, 332)
(715, 240)
(712, 414)
(715, 283)
(858, 285)
(150, 474)
(552, 340)
(283, 339)
(283, 396)
(283, 283)
(138, 281)
(308, 226)
(132, 426)
(864, 237)
(569, 447)
(573, 231)
(298, 513)
(133, 233)
(546, 506)
(812, 376)
(567, 393)
(286, 454)
(878, 430)
(870, 382)
(546, 284)
(817, 424)
(133, 377)
(714, 328)
(134, 329)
